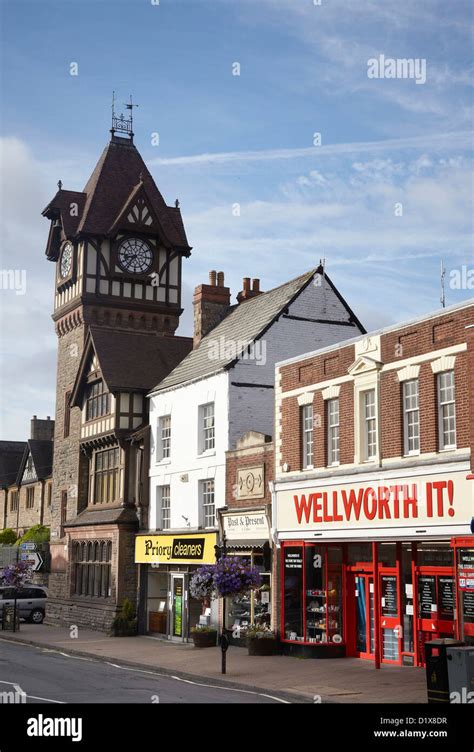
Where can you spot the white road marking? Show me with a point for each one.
(152, 673)
(33, 697)
(199, 684)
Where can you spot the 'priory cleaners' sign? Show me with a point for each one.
(392, 502)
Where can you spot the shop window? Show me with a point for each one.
(332, 410)
(92, 568)
(411, 417)
(434, 554)
(359, 552)
(307, 434)
(446, 410)
(293, 593)
(312, 583)
(465, 572)
(254, 608)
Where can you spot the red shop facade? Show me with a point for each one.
(376, 566)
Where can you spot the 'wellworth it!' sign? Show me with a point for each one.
(439, 503)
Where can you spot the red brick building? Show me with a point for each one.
(373, 491)
(245, 525)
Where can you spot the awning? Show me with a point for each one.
(231, 544)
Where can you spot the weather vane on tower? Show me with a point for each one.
(119, 122)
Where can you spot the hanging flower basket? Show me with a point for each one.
(201, 584)
(234, 575)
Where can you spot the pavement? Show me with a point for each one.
(340, 680)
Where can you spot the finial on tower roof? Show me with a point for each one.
(119, 122)
(60, 184)
(176, 203)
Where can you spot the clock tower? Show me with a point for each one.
(118, 250)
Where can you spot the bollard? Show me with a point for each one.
(224, 649)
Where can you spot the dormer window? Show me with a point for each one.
(97, 401)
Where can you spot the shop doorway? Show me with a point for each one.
(361, 614)
(178, 607)
(363, 588)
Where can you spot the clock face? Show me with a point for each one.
(135, 256)
(66, 260)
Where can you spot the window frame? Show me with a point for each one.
(162, 497)
(207, 444)
(366, 431)
(97, 403)
(164, 441)
(333, 427)
(106, 478)
(407, 411)
(204, 492)
(307, 436)
(30, 497)
(442, 446)
(92, 562)
(14, 501)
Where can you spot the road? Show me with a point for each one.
(49, 676)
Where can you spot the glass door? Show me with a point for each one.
(365, 615)
(390, 627)
(177, 607)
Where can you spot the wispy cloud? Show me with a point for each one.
(456, 139)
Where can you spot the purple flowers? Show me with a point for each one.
(201, 584)
(16, 575)
(232, 575)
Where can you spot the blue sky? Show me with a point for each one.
(246, 140)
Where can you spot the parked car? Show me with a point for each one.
(30, 600)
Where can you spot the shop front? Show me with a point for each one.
(246, 533)
(167, 564)
(373, 568)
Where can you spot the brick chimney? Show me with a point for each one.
(247, 291)
(211, 303)
(42, 429)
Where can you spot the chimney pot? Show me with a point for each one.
(212, 278)
(256, 285)
(246, 284)
(220, 279)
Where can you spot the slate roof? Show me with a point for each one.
(11, 455)
(42, 455)
(245, 323)
(116, 175)
(132, 360)
(104, 517)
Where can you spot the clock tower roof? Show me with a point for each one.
(118, 173)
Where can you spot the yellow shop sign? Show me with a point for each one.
(195, 548)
